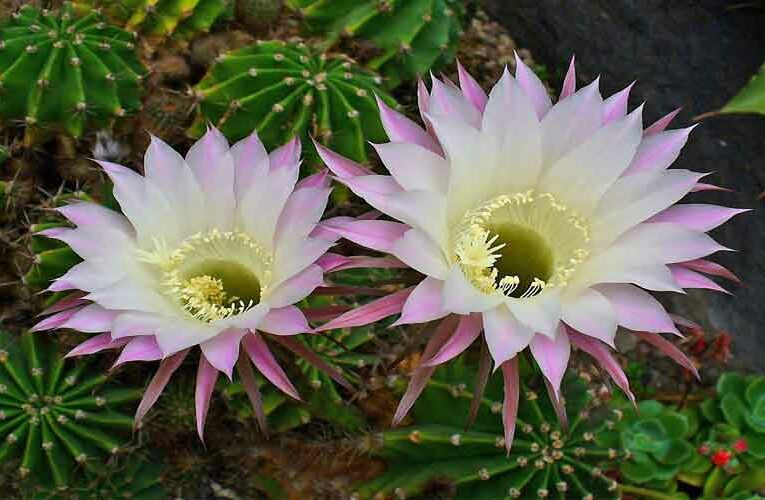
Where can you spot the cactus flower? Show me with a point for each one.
(211, 250)
(540, 225)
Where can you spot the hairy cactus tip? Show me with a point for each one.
(541, 225)
(211, 250)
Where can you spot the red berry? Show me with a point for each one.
(721, 458)
(740, 446)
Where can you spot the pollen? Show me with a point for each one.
(520, 244)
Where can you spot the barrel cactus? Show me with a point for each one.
(55, 415)
(159, 20)
(285, 90)
(544, 462)
(413, 36)
(132, 476)
(64, 72)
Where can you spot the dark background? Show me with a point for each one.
(694, 54)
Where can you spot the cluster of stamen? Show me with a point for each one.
(204, 296)
(477, 249)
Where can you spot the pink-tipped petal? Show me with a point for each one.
(431, 171)
(265, 362)
(96, 344)
(569, 83)
(602, 355)
(314, 359)
(552, 356)
(287, 320)
(143, 348)
(558, 406)
(691, 279)
(287, 155)
(533, 87)
(702, 186)
(424, 304)
(468, 330)
(341, 166)
(298, 287)
(422, 374)
(670, 350)
(91, 319)
(657, 152)
(250, 161)
(327, 313)
(636, 309)
(685, 322)
(375, 234)
(662, 123)
(222, 351)
(700, 217)
(446, 99)
(472, 89)
(512, 390)
(615, 107)
(504, 334)
(71, 301)
(711, 268)
(207, 375)
(591, 313)
(167, 367)
(58, 319)
(369, 313)
(333, 262)
(84, 213)
(319, 179)
(244, 368)
(401, 129)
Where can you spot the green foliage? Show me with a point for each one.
(412, 36)
(284, 90)
(751, 99)
(656, 439)
(55, 415)
(66, 72)
(132, 477)
(545, 461)
(52, 258)
(321, 398)
(160, 19)
(733, 442)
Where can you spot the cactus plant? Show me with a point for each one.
(733, 447)
(160, 19)
(285, 90)
(413, 36)
(52, 258)
(656, 439)
(131, 477)
(544, 461)
(55, 415)
(321, 397)
(65, 72)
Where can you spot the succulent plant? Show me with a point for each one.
(132, 477)
(285, 90)
(283, 414)
(544, 462)
(413, 36)
(657, 441)
(159, 19)
(52, 258)
(258, 13)
(55, 415)
(733, 446)
(65, 72)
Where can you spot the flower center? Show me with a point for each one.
(214, 275)
(519, 244)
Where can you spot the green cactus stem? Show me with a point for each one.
(63, 72)
(56, 415)
(284, 90)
